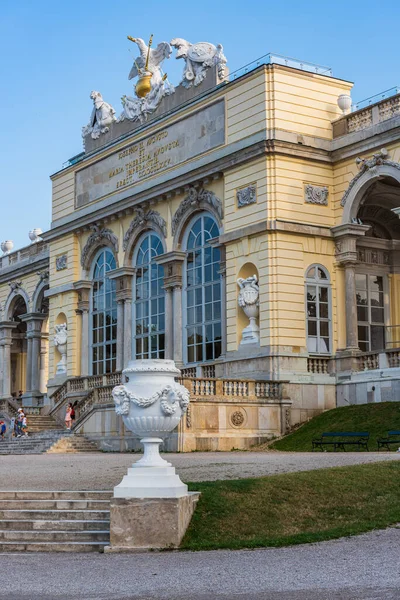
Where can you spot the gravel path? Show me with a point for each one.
(103, 471)
(359, 568)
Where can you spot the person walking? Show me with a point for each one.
(3, 429)
(19, 422)
(68, 418)
(24, 427)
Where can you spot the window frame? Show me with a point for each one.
(113, 341)
(318, 283)
(204, 323)
(135, 255)
(386, 309)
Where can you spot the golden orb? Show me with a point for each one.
(143, 85)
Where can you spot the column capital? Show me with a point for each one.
(83, 287)
(123, 279)
(346, 236)
(172, 263)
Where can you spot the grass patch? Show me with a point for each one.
(294, 508)
(375, 418)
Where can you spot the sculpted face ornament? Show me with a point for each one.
(198, 58)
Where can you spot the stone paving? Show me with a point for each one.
(101, 471)
(359, 568)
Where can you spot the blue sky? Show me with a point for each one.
(54, 53)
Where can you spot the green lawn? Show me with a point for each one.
(294, 508)
(375, 418)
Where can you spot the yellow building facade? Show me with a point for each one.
(156, 221)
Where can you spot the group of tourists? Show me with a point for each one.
(18, 426)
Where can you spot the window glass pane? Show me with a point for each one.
(324, 328)
(321, 274)
(203, 301)
(150, 299)
(377, 338)
(311, 273)
(362, 313)
(377, 315)
(324, 311)
(311, 309)
(323, 294)
(361, 282)
(324, 345)
(376, 299)
(312, 328)
(376, 284)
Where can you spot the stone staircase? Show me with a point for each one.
(37, 423)
(72, 444)
(53, 441)
(76, 521)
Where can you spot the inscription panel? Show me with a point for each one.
(152, 155)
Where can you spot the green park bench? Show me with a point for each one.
(340, 439)
(393, 437)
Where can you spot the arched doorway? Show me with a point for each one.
(18, 358)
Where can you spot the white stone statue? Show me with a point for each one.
(60, 342)
(198, 58)
(101, 118)
(150, 59)
(152, 84)
(249, 301)
(151, 404)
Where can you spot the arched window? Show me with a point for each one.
(103, 314)
(149, 306)
(203, 292)
(318, 310)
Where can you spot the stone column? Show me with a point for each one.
(127, 331)
(223, 308)
(351, 307)
(120, 334)
(6, 339)
(172, 263)
(34, 324)
(84, 288)
(43, 365)
(346, 237)
(123, 278)
(178, 328)
(169, 324)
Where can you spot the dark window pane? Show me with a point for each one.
(324, 328)
(323, 311)
(362, 313)
(361, 282)
(312, 328)
(377, 338)
(323, 294)
(377, 315)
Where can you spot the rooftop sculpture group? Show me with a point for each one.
(153, 84)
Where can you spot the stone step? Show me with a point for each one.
(39, 537)
(60, 504)
(50, 495)
(64, 525)
(6, 547)
(54, 514)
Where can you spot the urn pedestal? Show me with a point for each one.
(151, 507)
(249, 302)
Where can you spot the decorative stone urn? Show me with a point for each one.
(60, 342)
(151, 404)
(344, 103)
(7, 246)
(34, 235)
(249, 301)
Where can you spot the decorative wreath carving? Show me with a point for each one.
(143, 218)
(195, 199)
(95, 239)
(237, 418)
(170, 398)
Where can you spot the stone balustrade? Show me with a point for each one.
(317, 365)
(366, 117)
(232, 389)
(30, 253)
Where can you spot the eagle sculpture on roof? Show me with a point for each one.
(150, 59)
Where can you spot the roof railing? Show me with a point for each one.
(376, 98)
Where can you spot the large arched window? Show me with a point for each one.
(203, 292)
(103, 314)
(149, 305)
(318, 310)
